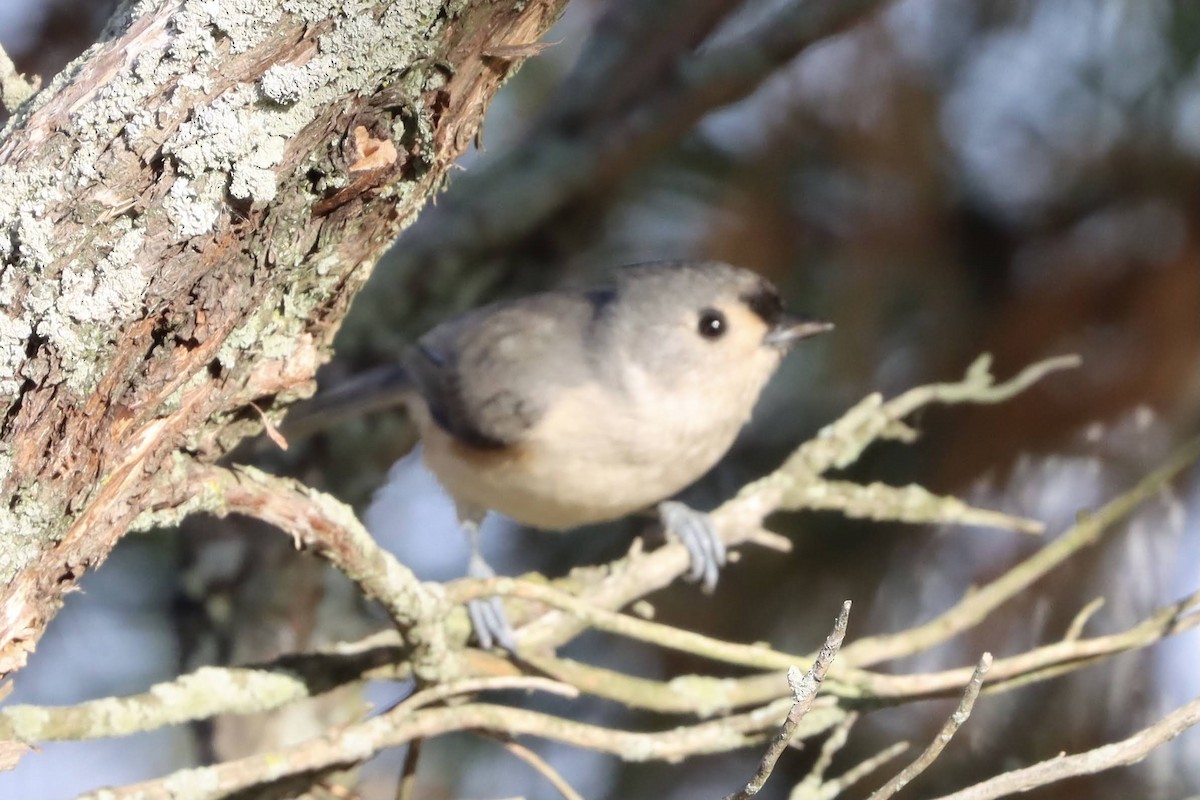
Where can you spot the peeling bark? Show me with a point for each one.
(185, 213)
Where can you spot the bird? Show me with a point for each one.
(577, 406)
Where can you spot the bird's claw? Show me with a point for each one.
(695, 532)
(490, 624)
(488, 619)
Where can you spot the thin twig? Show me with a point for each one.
(1050, 659)
(840, 444)
(357, 742)
(844, 681)
(444, 691)
(1075, 629)
(978, 604)
(834, 742)
(407, 786)
(210, 691)
(912, 504)
(756, 656)
(1118, 754)
(835, 786)
(804, 691)
(953, 723)
(330, 529)
(699, 695)
(539, 764)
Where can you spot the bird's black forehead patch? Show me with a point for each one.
(764, 300)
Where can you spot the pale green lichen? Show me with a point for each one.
(287, 84)
(27, 236)
(269, 334)
(111, 289)
(26, 722)
(189, 784)
(39, 303)
(228, 147)
(20, 525)
(191, 214)
(243, 133)
(229, 135)
(246, 23)
(14, 332)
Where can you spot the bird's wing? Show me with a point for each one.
(489, 376)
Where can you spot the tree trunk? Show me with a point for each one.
(185, 213)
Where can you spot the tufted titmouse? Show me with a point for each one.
(572, 407)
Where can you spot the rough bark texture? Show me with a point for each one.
(185, 213)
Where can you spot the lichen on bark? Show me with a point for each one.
(181, 233)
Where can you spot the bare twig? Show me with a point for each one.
(330, 528)
(911, 503)
(834, 742)
(804, 691)
(697, 694)
(1119, 754)
(757, 656)
(955, 721)
(978, 604)
(539, 764)
(1075, 629)
(357, 742)
(701, 695)
(1036, 664)
(267, 686)
(839, 444)
(444, 691)
(834, 787)
(207, 692)
(406, 788)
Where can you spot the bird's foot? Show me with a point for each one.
(695, 531)
(488, 619)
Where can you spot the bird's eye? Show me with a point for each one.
(712, 324)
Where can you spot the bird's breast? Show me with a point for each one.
(593, 457)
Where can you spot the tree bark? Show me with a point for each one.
(185, 213)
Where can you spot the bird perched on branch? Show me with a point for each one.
(573, 407)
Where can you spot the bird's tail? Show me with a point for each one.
(376, 390)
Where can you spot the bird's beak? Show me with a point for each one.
(793, 327)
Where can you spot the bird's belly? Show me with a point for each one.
(558, 488)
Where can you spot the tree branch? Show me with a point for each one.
(329, 527)
(956, 720)
(976, 605)
(209, 692)
(804, 691)
(1119, 754)
(214, 261)
(827, 790)
(355, 743)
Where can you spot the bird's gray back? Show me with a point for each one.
(489, 376)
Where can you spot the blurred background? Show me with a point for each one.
(946, 178)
